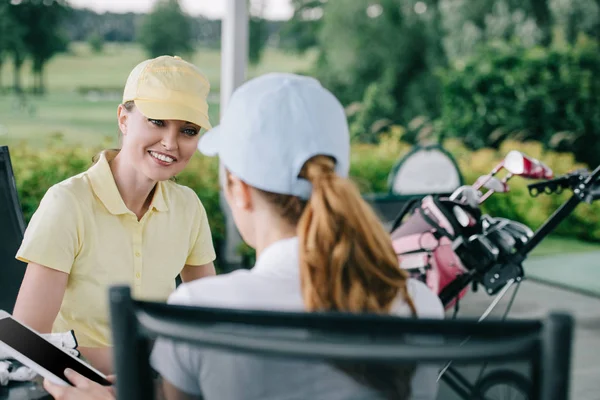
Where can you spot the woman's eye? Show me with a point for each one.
(157, 122)
(190, 132)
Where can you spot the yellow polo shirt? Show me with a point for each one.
(82, 227)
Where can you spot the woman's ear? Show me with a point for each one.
(240, 193)
(122, 115)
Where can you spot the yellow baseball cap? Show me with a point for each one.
(169, 88)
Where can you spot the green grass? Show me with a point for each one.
(558, 245)
(109, 70)
(71, 109)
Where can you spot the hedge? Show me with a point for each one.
(37, 169)
(508, 91)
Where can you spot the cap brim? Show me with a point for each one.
(209, 143)
(160, 110)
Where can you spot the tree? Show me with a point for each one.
(31, 29)
(166, 30)
(258, 32)
(301, 32)
(468, 26)
(395, 44)
(96, 43)
(4, 32)
(44, 37)
(16, 26)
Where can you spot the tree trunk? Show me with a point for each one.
(41, 82)
(36, 82)
(17, 75)
(38, 75)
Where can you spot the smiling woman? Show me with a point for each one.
(123, 220)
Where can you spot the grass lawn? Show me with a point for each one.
(555, 245)
(84, 89)
(566, 263)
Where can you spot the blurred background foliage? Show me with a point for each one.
(481, 77)
(38, 169)
(482, 71)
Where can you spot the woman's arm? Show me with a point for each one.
(193, 272)
(40, 297)
(100, 358)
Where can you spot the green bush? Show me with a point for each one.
(96, 43)
(371, 164)
(583, 223)
(506, 91)
(37, 169)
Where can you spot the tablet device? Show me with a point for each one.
(32, 350)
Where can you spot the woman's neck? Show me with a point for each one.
(271, 229)
(136, 190)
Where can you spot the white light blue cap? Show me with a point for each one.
(272, 125)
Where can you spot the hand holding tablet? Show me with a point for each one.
(84, 389)
(42, 356)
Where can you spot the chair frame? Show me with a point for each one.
(367, 338)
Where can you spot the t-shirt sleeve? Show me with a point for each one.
(52, 237)
(178, 363)
(202, 250)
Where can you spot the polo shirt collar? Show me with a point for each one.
(104, 186)
(280, 258)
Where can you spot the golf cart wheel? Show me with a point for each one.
(502, 385)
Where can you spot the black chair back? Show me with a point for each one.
(12, 227)
(339, 337)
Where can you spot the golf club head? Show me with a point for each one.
(502, 239)
(467, 195)
(522, 233)
(496, 185)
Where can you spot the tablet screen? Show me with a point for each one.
(42, 352)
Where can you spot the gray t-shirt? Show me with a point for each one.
(273, 284)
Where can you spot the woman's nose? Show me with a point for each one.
(169, 141)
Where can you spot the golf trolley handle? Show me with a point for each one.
(587, 190)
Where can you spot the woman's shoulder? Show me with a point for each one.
(176, 189)
(72, 189)
(223, 290)
(182, 196)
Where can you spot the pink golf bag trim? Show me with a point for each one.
(423, 244)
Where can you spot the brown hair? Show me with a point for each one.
(347, 262)
(129, 105)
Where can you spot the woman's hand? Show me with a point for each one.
(84, 389)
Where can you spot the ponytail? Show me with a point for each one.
(347, 262)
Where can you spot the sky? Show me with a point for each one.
(274, 9)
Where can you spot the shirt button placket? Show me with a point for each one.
(138, 258)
